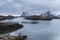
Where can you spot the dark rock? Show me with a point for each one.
(6, 17)
(34, 17)
(6, 27)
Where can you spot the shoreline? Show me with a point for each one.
(7, 27)
(11, 37)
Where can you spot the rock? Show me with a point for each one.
(6, 17)
(34, 17)
(10, 37)
(6, 27)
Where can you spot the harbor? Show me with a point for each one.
(43, 16)
(44, 29)
(23, 29)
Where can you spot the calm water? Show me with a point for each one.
(43, 30)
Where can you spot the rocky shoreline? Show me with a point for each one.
(43, 16)
(34, 17)
(6, 17)
(6, 27)
(11, 37)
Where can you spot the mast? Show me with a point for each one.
(24, 14)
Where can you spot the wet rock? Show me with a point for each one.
(6, 27)
(11, 37)
(34, 17)
(6, 17)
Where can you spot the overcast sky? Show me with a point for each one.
(32, 6)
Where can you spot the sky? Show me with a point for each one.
(31, 6)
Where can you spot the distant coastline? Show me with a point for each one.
(10, 14)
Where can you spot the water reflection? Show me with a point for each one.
(43, 36)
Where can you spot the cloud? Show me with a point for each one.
(9, 0)
(33, 6)
(2, 3)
